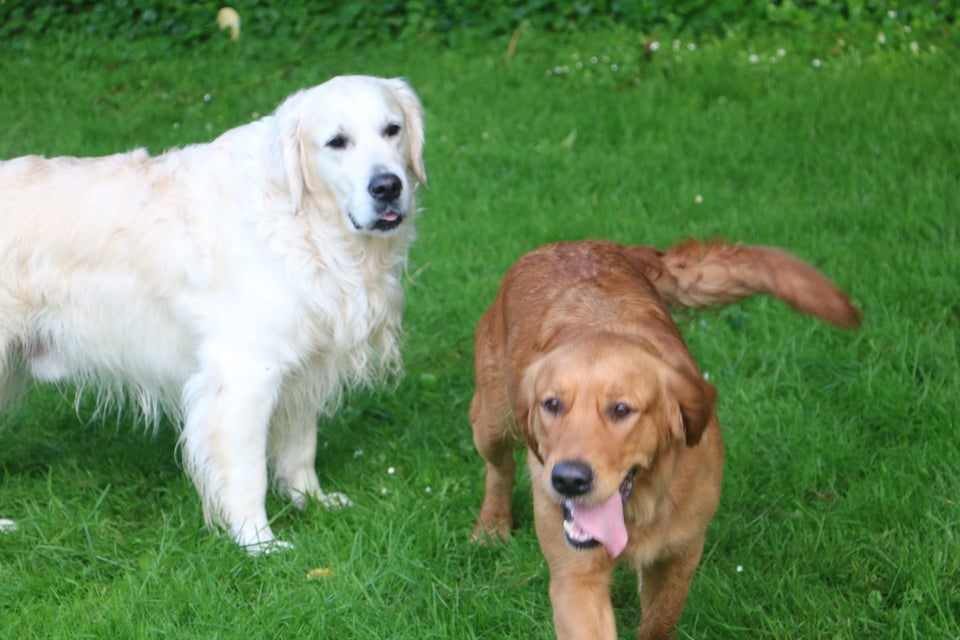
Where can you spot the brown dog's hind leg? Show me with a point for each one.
(663, 590)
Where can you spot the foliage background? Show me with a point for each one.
(364, 21)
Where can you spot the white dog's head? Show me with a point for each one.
(359, 141)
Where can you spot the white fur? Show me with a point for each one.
(240, 285)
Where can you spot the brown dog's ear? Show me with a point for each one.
(413, 116)
(524, 407)
(694, 397)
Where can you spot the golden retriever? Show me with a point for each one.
(578, 357)
(240, 285)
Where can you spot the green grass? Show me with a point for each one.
(840, 514)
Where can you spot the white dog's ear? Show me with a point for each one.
(413, 115)
(293, 156)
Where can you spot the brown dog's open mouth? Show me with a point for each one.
(585, 527)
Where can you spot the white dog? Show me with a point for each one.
(241, 285)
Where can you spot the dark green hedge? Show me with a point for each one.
(361, 20)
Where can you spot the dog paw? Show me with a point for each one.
(267, 548)
(485, 533)
(298, 500)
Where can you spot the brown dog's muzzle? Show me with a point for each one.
(588, 526)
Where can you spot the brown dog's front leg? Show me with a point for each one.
(495, 517)
(579, 578)
(581, 606)
(496, 447)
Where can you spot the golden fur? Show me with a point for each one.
(578, 357)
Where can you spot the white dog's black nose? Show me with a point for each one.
(572, 478)
(385, 187)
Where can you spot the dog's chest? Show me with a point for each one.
(348, 321)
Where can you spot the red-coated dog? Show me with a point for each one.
(578, 357)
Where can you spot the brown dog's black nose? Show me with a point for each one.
(385, 187)
(572, 478)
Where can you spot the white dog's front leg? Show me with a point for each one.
(293, 451)
(224, 441)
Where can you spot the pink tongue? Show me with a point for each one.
(604, 523)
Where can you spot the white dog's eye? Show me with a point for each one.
(337, 142)
(391, 130)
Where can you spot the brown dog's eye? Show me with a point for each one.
(551, 406)
(620, 411)
(391, 130)
(337, 142)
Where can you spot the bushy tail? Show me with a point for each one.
(700, 274)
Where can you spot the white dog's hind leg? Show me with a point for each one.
(14, 375)
(12, 383)
(293, 452)
(225, 443)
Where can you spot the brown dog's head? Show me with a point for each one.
(601, 413)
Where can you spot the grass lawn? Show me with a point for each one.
(840, 514)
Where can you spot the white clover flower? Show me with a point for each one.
(614, 67)
(781, 52)
(691, 47)
(391, 470)
(676, 45)
(698, 199)
(881, 38)
(753, 58)
(816, 63)
(739, 568)
(914, 47)
(653, 46)
(891, 14)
